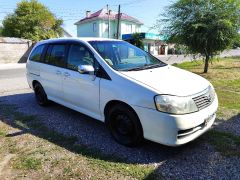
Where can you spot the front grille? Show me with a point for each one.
(204, 100)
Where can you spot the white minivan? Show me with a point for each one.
(134, 93)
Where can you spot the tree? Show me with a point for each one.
(137, 40)
(236, 43)
(203, 26)
(1, 30)
(32, 20)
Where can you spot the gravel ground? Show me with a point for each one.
(201, 162)
(196, 160)
(232, 125)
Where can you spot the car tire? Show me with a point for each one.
(124, 125)
(40, 95)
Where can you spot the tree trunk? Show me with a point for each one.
(206, 63)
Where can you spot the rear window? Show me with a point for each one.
(56, 55)
(36, 54)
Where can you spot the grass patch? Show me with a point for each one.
(226, 143)
(95, 158)
(228, 85)
(27, 163)
(3, 133)
(113, 163)
(190, 65)
(228, 100)
(12, 146)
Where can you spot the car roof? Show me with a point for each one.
(82, 39)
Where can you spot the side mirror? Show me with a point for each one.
(85, 69)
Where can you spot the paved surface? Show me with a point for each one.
(13, 79)
(196, 160)
(12, 66)
(171, 59)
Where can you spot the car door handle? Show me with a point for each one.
(58, 72)
(66, 74)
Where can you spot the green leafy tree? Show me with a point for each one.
(236, 43)
(137, 40)
(32, 20)
(203, 26)
(1, 30)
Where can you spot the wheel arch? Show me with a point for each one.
(115, 102)
(138, 123)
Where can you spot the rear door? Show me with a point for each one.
(52, 71)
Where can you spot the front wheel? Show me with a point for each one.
(124, 125)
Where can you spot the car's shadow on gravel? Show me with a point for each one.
(214, 155)
(91, 133)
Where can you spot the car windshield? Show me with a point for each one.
(123, 56)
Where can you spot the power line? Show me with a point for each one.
(129, 3)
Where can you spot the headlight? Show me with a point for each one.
(175, 104)
(211, 92)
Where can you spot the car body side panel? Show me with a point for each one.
(126, 91)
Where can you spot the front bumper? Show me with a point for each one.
(175, 130)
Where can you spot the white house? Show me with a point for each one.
(96, 24)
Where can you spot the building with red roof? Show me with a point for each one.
(96, 24)
(103, 24)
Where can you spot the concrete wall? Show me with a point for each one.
(14, 52)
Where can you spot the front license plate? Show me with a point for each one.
(206, 121)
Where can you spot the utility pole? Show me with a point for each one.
(118, 22)
(108, 13)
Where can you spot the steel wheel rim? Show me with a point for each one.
(122, 128)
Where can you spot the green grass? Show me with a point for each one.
(27, 163)
(113, 163)
(3, 133)
(230, 85)
(190, 65)
(228, 100)
(96, 159)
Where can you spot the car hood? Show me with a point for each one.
(170, 80)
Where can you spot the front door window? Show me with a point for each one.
(79, 55)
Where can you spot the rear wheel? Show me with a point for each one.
(124, 125)
(40, 95)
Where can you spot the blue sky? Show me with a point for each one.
(71, 11)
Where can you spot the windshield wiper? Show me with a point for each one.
(150, 66)
(146, 66)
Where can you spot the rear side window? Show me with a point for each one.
(56, 55)
(37, 53)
